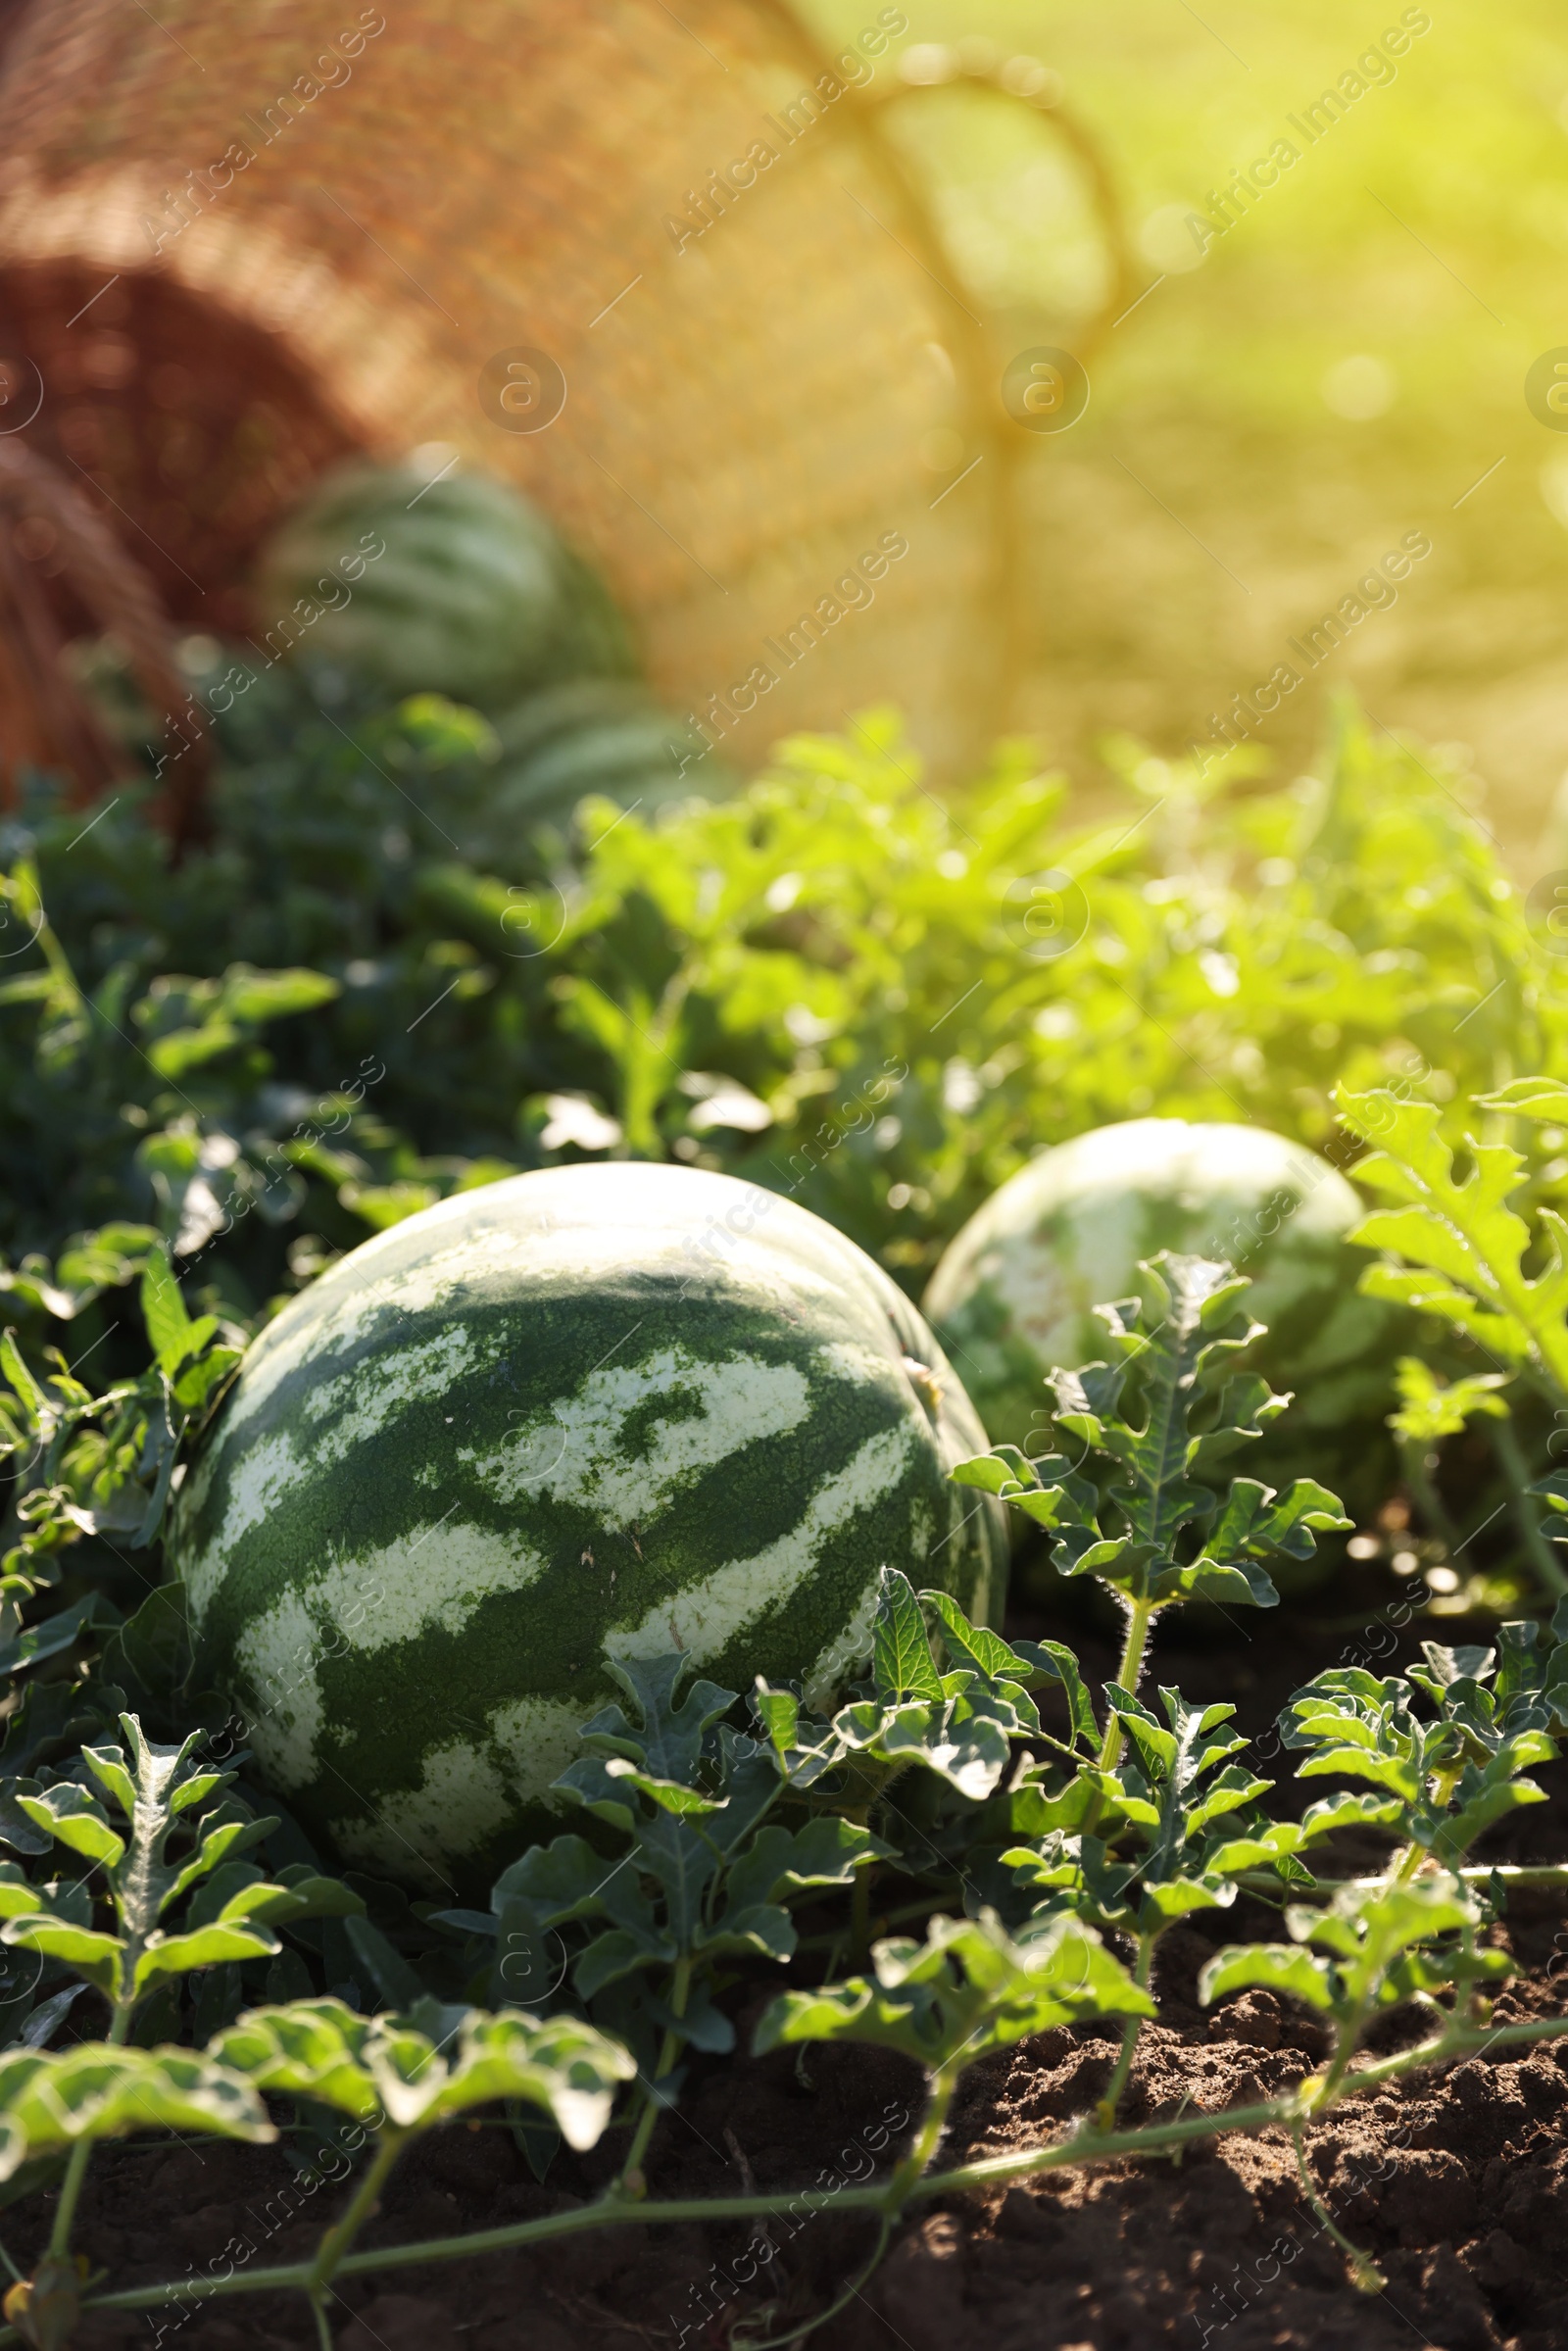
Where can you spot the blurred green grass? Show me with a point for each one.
(1212, 501)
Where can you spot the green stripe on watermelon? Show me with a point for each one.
(593, 1414)
(1012, 1296)
(461, 587)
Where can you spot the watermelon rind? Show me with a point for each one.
(1012, 1296)
(596, 737)
(457, 586)
(590, 1414)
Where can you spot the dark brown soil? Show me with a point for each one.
(1457, 2185)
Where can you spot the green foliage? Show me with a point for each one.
(219, 1077)
(1431, 1408)
(697, 1872)
(1462, 1242)
(1163, 1532)
(51, 2099)
(407, 2075)
(1175, 1798)
(231, 1908)
(957, 1723)
(966, 1990)
(831, 982)
(1377, 1946)
(1449, 1778)
(705, 1840)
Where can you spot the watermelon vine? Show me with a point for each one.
(977, 1840)
(1077, 1826)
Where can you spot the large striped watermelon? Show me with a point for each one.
(1011, 1296)
(597, 1412)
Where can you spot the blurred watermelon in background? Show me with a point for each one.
(1012, 1297)
(405, 581)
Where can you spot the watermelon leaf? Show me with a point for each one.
(1445, 1776)
(1431, 1408)
(409, 2073)
(53, 2098)
(902, 1666)
(1462, 1244)
(1165, 1418)
(967, 1990)
(701, 1872)
(958, 1725)
(1382, 1945)
(156, 1791)
(1544, 1099)
(1169, 1823)
(669, 1738)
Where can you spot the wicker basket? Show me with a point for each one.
(750, 405)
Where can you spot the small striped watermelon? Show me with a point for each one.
(594, 735)
(594, 1413)
(1012, 1296)
(457, 586)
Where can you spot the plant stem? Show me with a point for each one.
(1365, 2275)
(1413, 1461)
(1106, 2110)
(912, 2167)
(1516, 1470)
(1140, 1616)
(81, 2153)
(1538, 1878)
(840, 2301)
(860, 1916)
(1079, 2149)
(340, 2236)
(629, 2180)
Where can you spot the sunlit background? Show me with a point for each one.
(1346, 363)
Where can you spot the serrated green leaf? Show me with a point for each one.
(1546, 1099)
(970, 1989)
(1269, 1967)
(563, 1879)
(49, 2098)
(369, 2065)
(667, 1741)
(1464, 1233)
(1431, 1409)
(974, 1645)
(54, 1635)
(93, 1954)
(1167, 1414)
(1056, 1661)
(163, 1310)
(779, 1712)
(670, 1796)
(216, 1945)
(1357, 1763)
(902, 1664)
(69, 1814)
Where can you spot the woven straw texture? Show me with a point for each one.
(745, 414)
